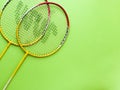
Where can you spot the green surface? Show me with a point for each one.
(89, 60)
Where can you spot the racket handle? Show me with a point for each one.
(15, 71)
(4, 51)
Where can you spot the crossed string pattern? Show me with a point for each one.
(47, 37)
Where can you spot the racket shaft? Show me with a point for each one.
(15, 71)
(4, 51)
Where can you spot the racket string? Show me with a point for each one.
(31, 31)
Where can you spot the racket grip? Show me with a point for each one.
(4, 51)
(15, 71)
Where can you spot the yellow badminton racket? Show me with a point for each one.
(53, 39)
(10, 18)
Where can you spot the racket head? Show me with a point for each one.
(11, 16)
(55, 35)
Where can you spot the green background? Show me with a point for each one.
(89, 60)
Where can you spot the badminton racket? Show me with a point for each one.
(10, 18)
(51, 42)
